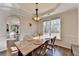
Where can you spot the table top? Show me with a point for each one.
(44, 36)
(27, 46)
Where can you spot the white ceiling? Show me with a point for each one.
(45, 9)
(42, 7)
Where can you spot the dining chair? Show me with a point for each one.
(52, 45)
(41, 51)
(53, 42)
(10, 48)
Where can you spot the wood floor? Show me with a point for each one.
(58, 51)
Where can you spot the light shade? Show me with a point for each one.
(36, 18)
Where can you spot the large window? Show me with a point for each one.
(52, 27)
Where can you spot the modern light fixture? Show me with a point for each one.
(36, 17)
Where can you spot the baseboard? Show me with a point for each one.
(3, 50)
(63, 47)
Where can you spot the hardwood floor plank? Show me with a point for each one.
(59, 51)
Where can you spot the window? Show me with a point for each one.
(52, 27)
(47, 27)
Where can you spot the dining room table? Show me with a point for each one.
(26, 46)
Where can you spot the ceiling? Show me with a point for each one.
(42, 7)
(45, 9)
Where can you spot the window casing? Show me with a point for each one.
(52, 27)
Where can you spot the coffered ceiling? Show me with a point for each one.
(45, 9)
(42, 7)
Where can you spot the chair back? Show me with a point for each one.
(10, 43)
(53, 40)
(11, 52)
(43, 49)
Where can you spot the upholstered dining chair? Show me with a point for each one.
(41, 51)
(53, 42)
(11, 48)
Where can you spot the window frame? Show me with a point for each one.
(50, 24)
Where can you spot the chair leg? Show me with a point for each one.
(53, 50)
(49, 47)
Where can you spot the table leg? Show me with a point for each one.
(19, 53)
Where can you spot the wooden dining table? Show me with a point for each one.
(27, 46)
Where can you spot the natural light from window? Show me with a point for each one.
(52, 27)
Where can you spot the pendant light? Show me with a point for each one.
(36, 17)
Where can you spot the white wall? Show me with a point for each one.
(26, 29)
(2, 31)
(78, 23)
(69, 28)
